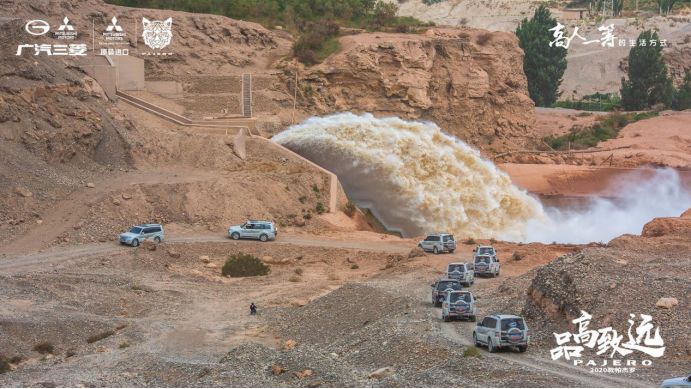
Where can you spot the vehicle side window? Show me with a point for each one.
(491, 323)
(147, 231)
(156, 229)
(249, 226)
(429, 238)
(267, 227)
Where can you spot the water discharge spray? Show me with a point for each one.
(415, 178)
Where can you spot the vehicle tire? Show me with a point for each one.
(263, 237)
(235, 236)
(490, 346)
(157, 239)
(473, 319)
(475, 341)
(135, 243)
(445, 318)
(522, 349)
(435, 250)
(451, 251)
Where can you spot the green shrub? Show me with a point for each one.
(320, 208)
(244, 265)
(4, 365)
(298, 271)
(124, 345)
(100, 336)
(472, 352)
(44, 348)
(517, 256)
(354, 266)
(606, 127)
(294, 278)
(469, 241)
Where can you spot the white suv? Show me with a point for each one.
(438, 243)
(142, 232)
(254, 229)
(500, 331)
(461, 271)
(487, 264)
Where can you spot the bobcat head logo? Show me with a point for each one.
(157, 34)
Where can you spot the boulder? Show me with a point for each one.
(277, 369)
(416, 252)
(90, 185)
(22, 191)
(149, 245)
(381, 373)
(303, 374)
(204, 258)
(173, 254)
(666, 302)
(289, 344)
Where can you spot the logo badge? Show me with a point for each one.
(65, 25)
(37, 27)
(114, 25)
(157, 34)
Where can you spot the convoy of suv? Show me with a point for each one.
(494, 331)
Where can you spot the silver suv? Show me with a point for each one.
(254, 229)
(441, 287)
(142, 232)
(501, 331)
(461, 271)
(438, 243)
(487, 265)
(485, 250)
(459, 304)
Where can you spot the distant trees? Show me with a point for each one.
(544, 65)
(682, 97)
(648, 83)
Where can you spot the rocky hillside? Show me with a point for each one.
(631, 275)
(470, 82)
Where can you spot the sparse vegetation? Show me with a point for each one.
(302, 199)
(332, 277)
(472, 352)
(244, 265)
(682, 97)
(44, 348)
(483, 38)
(4, 365)
(315, 189)
(606, 127)
(320, 208)
(70, 353)
(605, 102)
(516, 256)
(350, 209)
(298, 271)
(469, 241)
(100, 336)
(294, 278)
(124, 345)
(354, 266)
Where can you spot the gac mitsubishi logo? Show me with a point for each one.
(37, 27)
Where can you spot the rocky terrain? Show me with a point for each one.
(467, 81)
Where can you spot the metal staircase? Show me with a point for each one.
(247, 95)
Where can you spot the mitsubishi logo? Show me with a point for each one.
(114, 25)
(65, 25)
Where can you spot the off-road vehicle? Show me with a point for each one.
(485, 250)
(438, 243)
(502, 331)
(142, 232)
(441, 287)
(458, 304)
(254, 229)
(460, 271)
(487, 265)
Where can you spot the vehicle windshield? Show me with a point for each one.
(485, 250)
(457, 297)
(484, 258)
(136, 230)
(448, 238)
(458, 268)
(443, 285)
(507, 324)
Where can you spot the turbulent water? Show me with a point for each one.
(415, 178)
